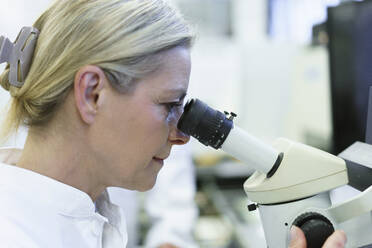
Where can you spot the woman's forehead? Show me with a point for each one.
(173, 74)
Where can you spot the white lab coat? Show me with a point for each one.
(170, 204)
(38, 211)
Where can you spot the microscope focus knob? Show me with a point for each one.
(316, 227)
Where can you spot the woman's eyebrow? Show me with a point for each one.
(181, 93)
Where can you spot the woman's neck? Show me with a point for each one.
(62, 158)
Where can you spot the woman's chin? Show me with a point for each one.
(148, 186)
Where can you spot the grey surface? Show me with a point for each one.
(369, 119)
(358, 158)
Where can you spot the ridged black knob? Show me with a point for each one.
(316, 227)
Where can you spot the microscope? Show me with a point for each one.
(292, 181)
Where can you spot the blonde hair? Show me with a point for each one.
(123, 37)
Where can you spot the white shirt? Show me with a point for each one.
(38, 211)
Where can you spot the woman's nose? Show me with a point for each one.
(177, 137)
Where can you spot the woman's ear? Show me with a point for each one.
(88, 84)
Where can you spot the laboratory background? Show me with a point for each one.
(299, 69)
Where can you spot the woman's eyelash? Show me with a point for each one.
(171, 105)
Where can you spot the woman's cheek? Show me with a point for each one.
(175, 115)
(159, 114)
(172, 118)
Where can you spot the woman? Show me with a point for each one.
(101, 94)
(102, 99)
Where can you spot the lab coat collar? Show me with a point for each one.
(67, 199)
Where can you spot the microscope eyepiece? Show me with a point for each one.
(207, 125)
(215, 129)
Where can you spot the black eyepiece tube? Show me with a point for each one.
(207, 125)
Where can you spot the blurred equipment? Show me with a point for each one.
(213, 17)
(292, 182)
(350, 49)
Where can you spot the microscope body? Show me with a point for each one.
(298, 194)
(292, 182)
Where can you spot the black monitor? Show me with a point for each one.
(349, 28)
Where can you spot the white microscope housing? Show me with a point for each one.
(291, 184)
